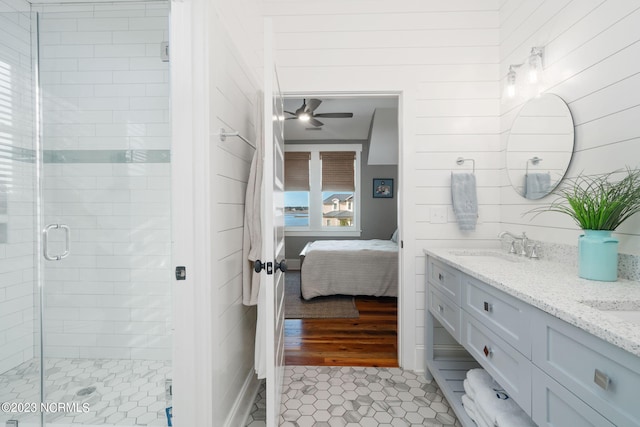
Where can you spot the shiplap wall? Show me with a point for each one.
(234, 86)
(591, 61)
(443, 59)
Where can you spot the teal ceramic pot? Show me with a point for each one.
(598, 256)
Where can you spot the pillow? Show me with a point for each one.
(394, 236)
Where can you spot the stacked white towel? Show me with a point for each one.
(488, 405)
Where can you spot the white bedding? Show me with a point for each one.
(350, 267)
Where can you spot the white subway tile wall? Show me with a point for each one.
(17, 174)
(106, 93)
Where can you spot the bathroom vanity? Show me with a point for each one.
(566, 349)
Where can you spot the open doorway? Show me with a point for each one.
(330, 326)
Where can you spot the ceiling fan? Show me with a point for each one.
(306, 113)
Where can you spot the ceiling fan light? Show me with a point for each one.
(304, 117)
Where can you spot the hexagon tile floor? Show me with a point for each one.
(118, 392)
(321, 396)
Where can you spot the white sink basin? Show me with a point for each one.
(487, 255)
(629, 311)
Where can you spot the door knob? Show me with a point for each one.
(281, 265)
(258, 266)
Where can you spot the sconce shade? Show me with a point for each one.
(535, 64)
(511, 82)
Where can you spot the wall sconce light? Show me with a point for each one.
(534, 63)
(511, 81)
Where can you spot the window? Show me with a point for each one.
(322, 189)
(296, 186)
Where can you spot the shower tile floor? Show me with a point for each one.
(121, 392)
(323, 396)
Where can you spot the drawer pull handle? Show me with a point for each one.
(488, 307)
(601, 379)
(440, 308)
(440, 277)
(487, 351)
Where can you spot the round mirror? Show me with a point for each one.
(540, 146)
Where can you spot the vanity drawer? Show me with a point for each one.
(505, 364)
(553, 405)
(446, 312)
(506, 316)
(601, 374)
(445, 279)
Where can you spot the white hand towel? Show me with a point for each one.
(480, 379)
(482, 415)
(490, 403)
(471, 410)
(515, 419)
(468, 390)
(469, 406)
(464, 200)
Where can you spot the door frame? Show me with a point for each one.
(406, 308)
(189, 35)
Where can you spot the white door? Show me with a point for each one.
(273, 229)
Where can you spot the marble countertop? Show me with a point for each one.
(556, 289)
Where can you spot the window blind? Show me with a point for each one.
(338, 170)
(296, 171)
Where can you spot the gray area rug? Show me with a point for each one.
(329, 307)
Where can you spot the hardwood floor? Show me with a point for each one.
(371, 340)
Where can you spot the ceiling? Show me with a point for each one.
(356, 127)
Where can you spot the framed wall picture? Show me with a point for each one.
(382, 188)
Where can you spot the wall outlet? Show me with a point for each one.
(439, 215)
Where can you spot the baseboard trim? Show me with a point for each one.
(242, 406)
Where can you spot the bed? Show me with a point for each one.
(349, 267)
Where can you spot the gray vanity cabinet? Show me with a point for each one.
(559, 374)
(602, 375)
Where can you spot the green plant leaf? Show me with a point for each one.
(596, 202)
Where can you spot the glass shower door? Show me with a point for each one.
(20, 383)
(105, 199)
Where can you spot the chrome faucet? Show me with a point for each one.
(524, 240)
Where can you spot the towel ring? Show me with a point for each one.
(461, 161)
(534, 161)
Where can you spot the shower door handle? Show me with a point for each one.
(45, 242)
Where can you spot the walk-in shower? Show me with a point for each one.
(85, 239)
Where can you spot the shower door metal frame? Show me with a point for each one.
(39, 265)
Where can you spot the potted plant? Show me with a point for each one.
(598, 204)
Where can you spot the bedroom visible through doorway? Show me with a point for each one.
(341, 191)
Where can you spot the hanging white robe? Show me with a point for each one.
(252, 244)
(252, 294)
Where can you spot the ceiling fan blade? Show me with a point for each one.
(291, 118)
(312, 104)
(334, 115)
(289, 112)
(315, 122)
